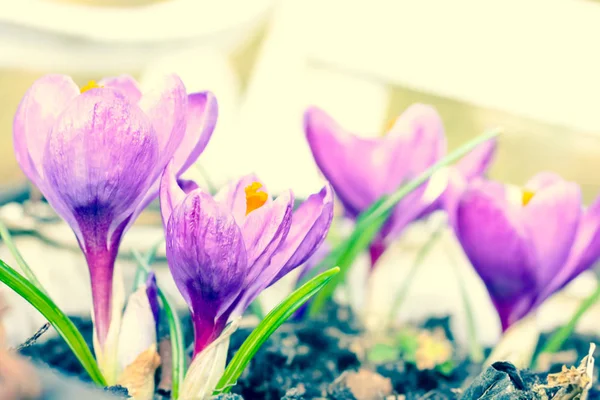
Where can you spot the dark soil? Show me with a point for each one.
(318, 360)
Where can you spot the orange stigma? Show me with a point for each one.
(254, 198)
(526, 197)
(90, 85)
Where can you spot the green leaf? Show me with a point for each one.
(177, 346)
(408, 342)
(272, 321)
(175, 330)
(556, 341)
(446, 368)
(142, 273)
(370, 221)
(63, 325)
(381, 353)
(7, 239)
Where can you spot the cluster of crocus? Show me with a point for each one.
(362, 170)
(526, 244)
(224, 250)
(96, 154)
(102, 153)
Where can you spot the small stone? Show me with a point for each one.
(368, 385)
(227, 396)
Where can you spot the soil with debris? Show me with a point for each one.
(322, 360)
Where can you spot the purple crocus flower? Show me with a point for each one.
(362, 170)
(527, 244)
(96, 154)
(224, 251)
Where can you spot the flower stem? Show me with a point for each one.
(475, 348)
(401, 294)
(101, 265)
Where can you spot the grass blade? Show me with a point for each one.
(142, 272)
(370, 221)
(63, 325)
(556, 341)
(177, 346)
(272, 321)
(175, 330)
(28, 272)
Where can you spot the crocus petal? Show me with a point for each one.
(206, 255)
(264, 231)
(497, 246)
(476, 162)
(152, 295)
(166, 106)
(201, 121)
(124, 84)
(542, 180)
(457, 184)
(585, 251)
(551, 219)
(347, 161)
(97, 159)
(310, 223)
(233, 196)
(44, 101)
(410, 208)
(171, 194)
(314, 260)
(187, 185)
(417, 140)
(362, 170)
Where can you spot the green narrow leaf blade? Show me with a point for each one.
(7, 239)
(556, 341)
(272, 321)
(356, 244)
(63, 325)
(142, 272)
(370, 221)
(177, 345)
(175, 329)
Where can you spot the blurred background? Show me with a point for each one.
(531, 67)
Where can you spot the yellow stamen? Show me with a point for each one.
(90, 85)
(526, 197)
(389, 126)
(254, 198)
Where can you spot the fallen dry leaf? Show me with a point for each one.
(138, 377)
(165, 352)
(574, 382)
